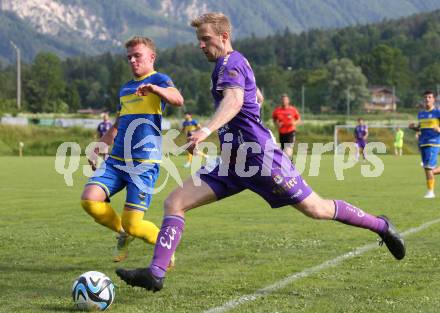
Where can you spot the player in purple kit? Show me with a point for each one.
(250, 160)
(360, 136)
(102, 128)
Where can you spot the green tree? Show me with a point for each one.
(119, 75)
(429, 77)
(386, 66)
(45, 83)
(274, 81)
(315, 83)
(346, 81)
(72, 98)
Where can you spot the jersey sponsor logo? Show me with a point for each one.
(141, 195)
(290, 183)
(150, 149)
(132, 101)
(222, 69)
(297, 194)
(223, 129)
(220, 75)
(283, 185)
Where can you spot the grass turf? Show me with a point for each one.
(229, 249)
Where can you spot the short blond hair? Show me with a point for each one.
(136, 40)
(220, 22)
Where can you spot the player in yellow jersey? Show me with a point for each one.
(398, 142)
(189, 125)
(133, 162)
(429, 139)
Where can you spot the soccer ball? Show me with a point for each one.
(93, 291)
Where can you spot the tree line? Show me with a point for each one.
(330, 65)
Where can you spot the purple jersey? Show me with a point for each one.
(268, 172)
(103, 127)
(234, 71)
(360, 131)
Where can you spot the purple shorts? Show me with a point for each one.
(274, 178)
(361, 143)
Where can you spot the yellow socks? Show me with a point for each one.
(430, 183)
(132, 221)
(134, 225)
(103, 213)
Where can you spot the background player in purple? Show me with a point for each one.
(102, 128)
(360, 136)
(237, 121)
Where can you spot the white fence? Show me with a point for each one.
(68, 122)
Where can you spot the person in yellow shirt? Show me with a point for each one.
(398, 142)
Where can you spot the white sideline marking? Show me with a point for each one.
(307, 272)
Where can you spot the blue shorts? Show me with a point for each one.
(114, 175)
(429, 156)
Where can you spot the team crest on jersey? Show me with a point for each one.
(141, 195)
(278, 179)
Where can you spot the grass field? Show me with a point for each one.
(229, 249)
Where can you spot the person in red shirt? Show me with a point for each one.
(286, 117)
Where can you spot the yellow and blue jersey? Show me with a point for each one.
(140, 118)
(428, 121)
(190, 126)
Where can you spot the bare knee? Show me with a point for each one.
(317, 208)
(315, 211)
(174, 204)
(93, 193)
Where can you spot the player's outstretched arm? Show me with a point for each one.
(108, 138)
(170, 94)
(414, 126)
(110, 135)
(228, 108)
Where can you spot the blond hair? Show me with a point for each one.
(136, 40)
(220, 22)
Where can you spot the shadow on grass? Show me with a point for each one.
(41, 269)
(58, 308)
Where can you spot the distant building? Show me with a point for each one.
(326, 109)
(382, 99)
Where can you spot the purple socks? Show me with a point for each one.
(167, 242)
(351, 215)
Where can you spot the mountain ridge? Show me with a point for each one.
(72, 27)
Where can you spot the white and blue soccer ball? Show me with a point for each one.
(93, 291)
